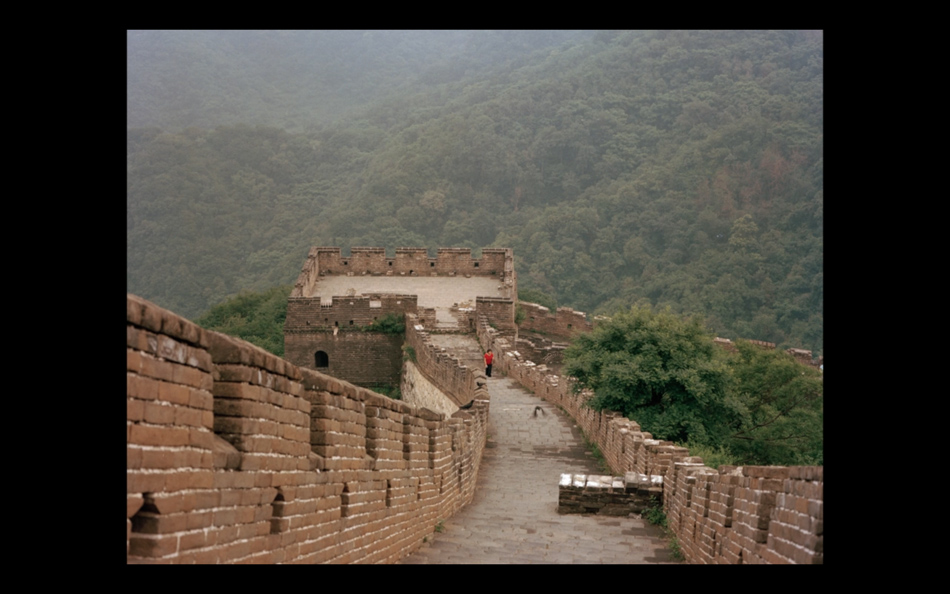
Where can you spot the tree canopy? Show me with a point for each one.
(255, 317)
(679, 168)
(664, 371)
(660, 369)
(783, 408)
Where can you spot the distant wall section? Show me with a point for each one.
(309, 314)
(563, 323)
(324, 261)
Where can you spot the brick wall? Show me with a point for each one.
(455, 379)
(751, 514)
(540, 349)
(309, 274)
(498, 311)
(237, 456)
(363, 358)
(308, 314)
(563, 323)
(498, 262)
(800, 355)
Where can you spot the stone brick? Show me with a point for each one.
(138, 481)
(158, 435)
(141, 387)
(153, 545)
(159, 413)
(189, 417)
(135, 409)
(151, 367)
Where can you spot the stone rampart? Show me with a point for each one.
(237, 456)
(540, 349)
(416, 389)
(310, 314)
(330, 336)
(751, 514)
(323, 261)
(499, 312)
(454, 378)
(563, 323)
(800, 355)
(366, 359)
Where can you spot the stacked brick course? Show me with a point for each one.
(344, 313)
(752, 514)
(540, 349)
(237, 456)
(364, 358)
(607, 495)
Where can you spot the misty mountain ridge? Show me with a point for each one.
(679, 168)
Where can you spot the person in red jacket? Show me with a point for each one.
(489, 357)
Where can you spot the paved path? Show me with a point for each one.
(513, 517)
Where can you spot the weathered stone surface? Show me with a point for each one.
(254, 491)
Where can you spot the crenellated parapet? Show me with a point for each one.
(751, 514)
(408, 261)
(802, 356)
(309, 274)
(344, 312)
(441, 366)
(235, 455)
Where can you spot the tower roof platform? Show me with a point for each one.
(438, 292)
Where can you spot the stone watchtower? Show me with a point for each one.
(337, 297)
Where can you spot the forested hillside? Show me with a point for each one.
(677, 168)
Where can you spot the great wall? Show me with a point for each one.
(235, 455)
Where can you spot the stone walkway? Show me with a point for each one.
(513, 517)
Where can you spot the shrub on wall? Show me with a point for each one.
(255, 317)
(389, 324)
(657, 368)
(519, 314)
(752, 407)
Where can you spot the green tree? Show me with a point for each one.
(391, 323)
(539, 297)
(783, 407)
(255, 317)
(659, 369)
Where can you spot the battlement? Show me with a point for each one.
(235, 455)
(803, 356)
(335, 295)
(408, 261)
(344, 312)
